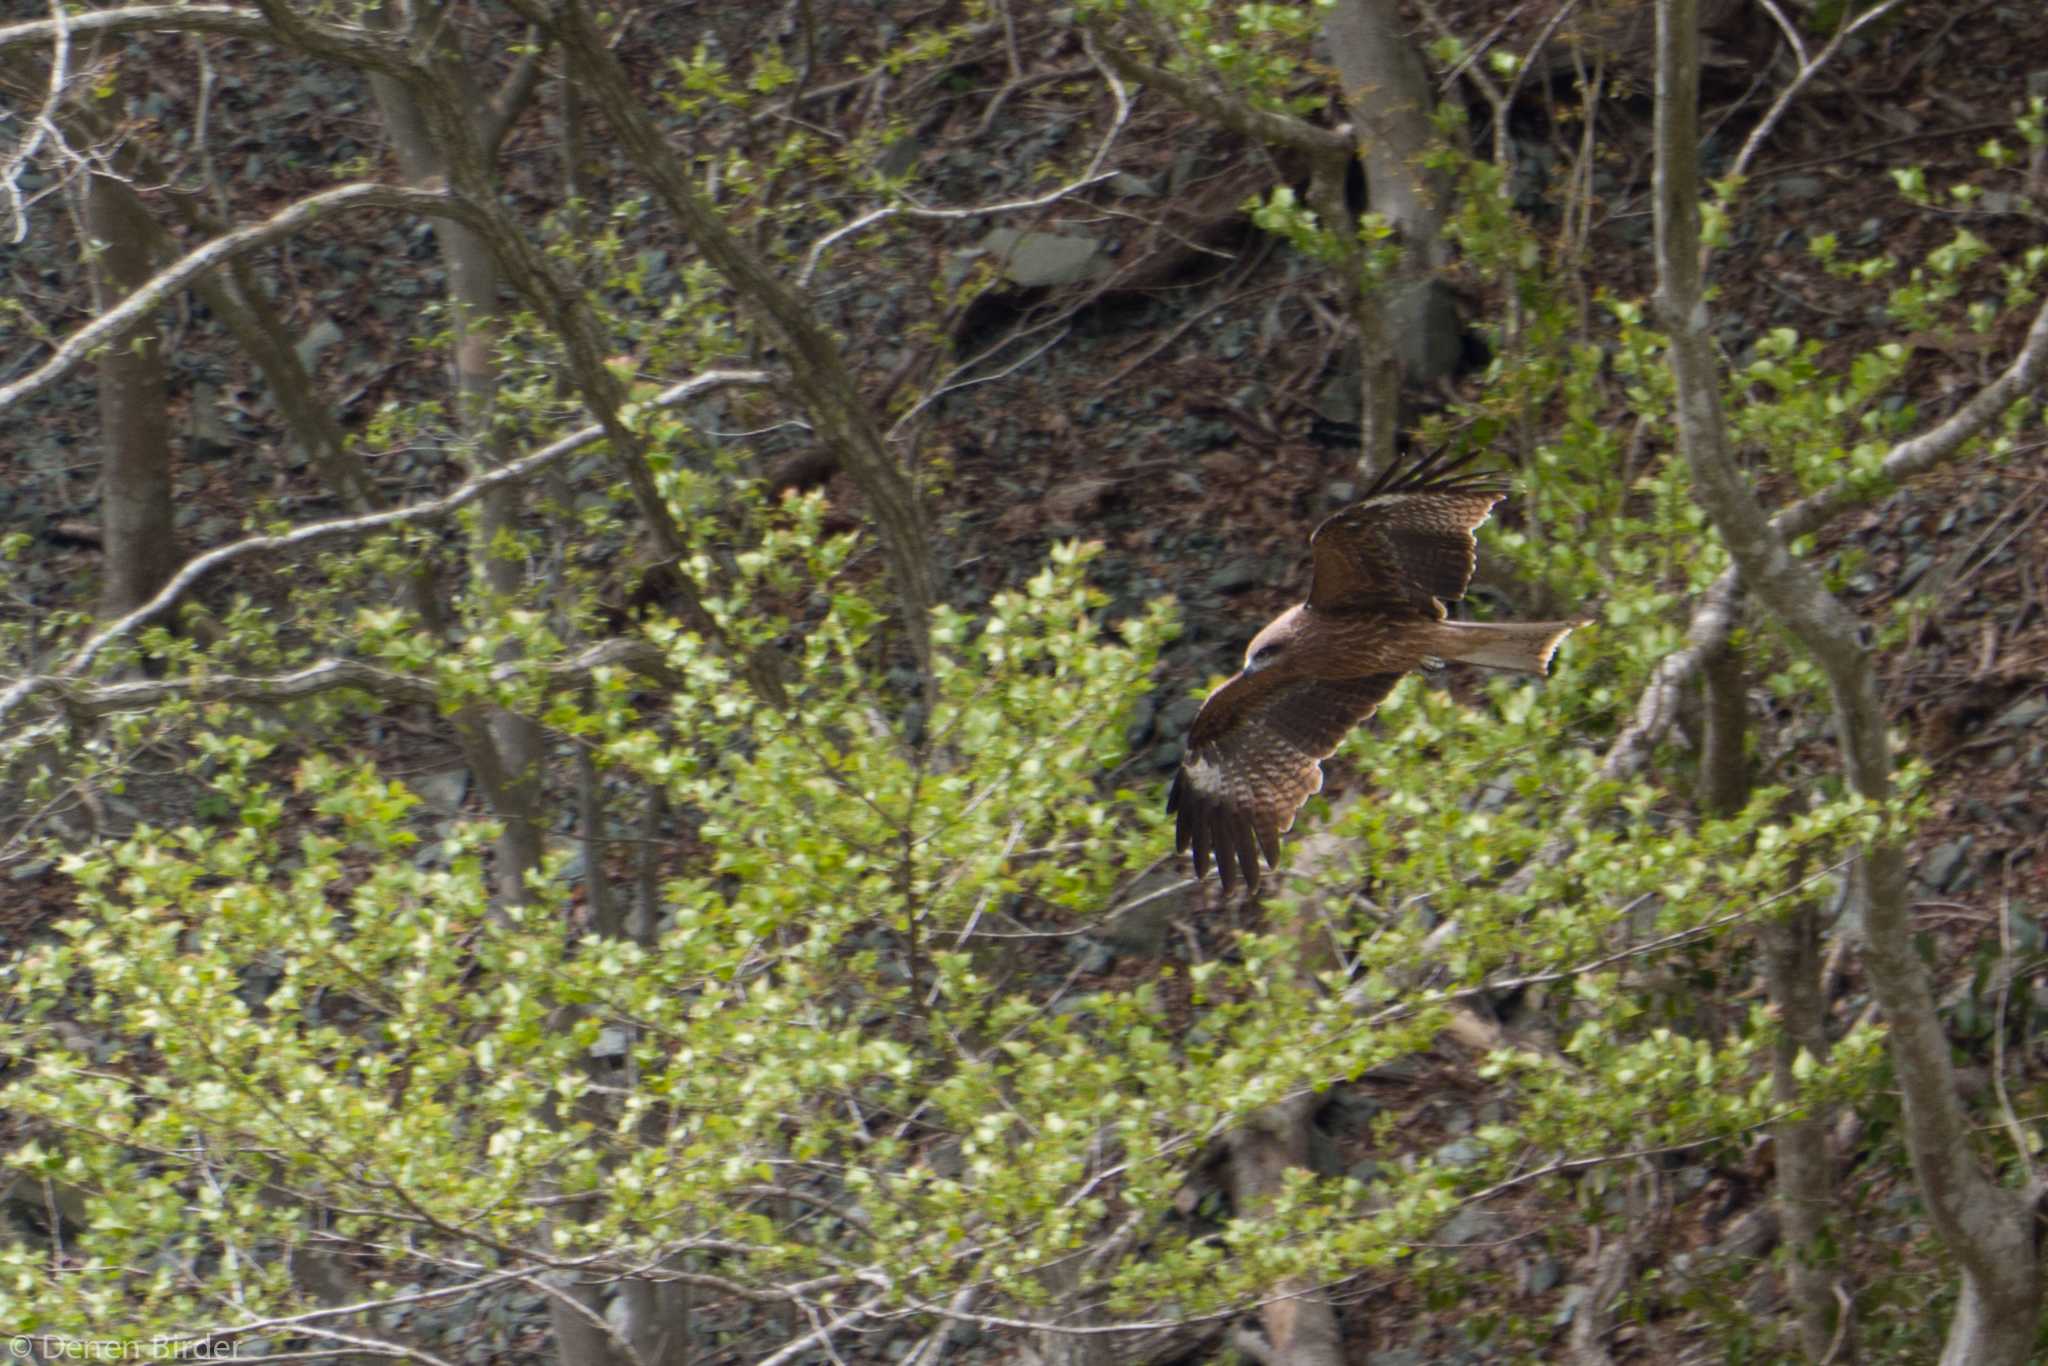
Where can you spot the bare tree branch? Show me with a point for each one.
(328, 675)
(1852, 21)
(1987, 1228)
(818, 369)
(1715, 612)
(42, 127)
(1262, 125)
(109, 326)
(513, 97)
(199, 566)
(231, 19)
(797, 1346)
(1092, 174)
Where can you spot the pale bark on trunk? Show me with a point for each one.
(1301, 1327)
(1387, 93)
(442, 136)
(141, 551)
(513, 781)
(1987, 1228)
(655, 1320)
(1067, 1283)
(582, 1335)
(1805, 1171)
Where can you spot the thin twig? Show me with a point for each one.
(43, 127)
(133, 310)
(796, 1347)
(2022, 1151)
(199, 566)
(1093, 174)
(1807, 71)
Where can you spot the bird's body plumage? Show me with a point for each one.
(1384, 570)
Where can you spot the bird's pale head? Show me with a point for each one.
(1271, 645)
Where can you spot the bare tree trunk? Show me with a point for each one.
(657, 1320)
(473, 292)
(1387, 94)
(1987, 1228)
(1792, 978)
(1067, 1282)
(582, 1336)
(1404, 323)
(1724, 758)
(1301, 1327)
(450, 120)
(135, 470)
(1805, 1177)
(1792, 968)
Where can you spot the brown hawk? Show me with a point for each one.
(1383, 570)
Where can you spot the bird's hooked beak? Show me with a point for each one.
(1269, 644)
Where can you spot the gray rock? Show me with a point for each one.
(1337, 400)
(443, 792)
(1095, 958)
(1142, 931)
(1460, 1152)
(1917, 566)
(1042, 259)
(1472, 1226)
(1799, 188)
(2023, 713)
(319, 337)
(1943, 866)
(1397, 1069)
(1349, 1110)
(1540, 1275)
(1233, 577)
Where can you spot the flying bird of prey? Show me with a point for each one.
(1383, 570)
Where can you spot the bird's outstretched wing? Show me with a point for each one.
(1254, 756)
(1407, 545)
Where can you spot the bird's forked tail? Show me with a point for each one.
(1522, 645)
